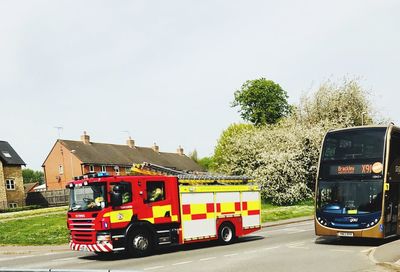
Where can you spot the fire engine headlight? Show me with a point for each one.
(102, 237)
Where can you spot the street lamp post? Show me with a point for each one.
(362, 117)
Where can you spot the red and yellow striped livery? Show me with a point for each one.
(138, 213)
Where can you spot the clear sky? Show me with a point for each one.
(166, 71)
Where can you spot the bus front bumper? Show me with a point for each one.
(372, 232)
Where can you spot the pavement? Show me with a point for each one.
(386, 255)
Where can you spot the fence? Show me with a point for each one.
(48, 198)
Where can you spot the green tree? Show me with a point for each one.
(193, 155)
(207, 163)
(226, 140)
(261, 102)
(30, 176)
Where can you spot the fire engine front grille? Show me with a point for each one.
(83, 237)
(81, 224)
(82, 230)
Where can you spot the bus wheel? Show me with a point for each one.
(226, 233)
(139, 243)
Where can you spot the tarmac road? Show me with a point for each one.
(292, 247)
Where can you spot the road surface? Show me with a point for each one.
(291, 247)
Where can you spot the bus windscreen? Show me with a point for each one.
(358, 144)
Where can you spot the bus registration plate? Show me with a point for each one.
(345, 234)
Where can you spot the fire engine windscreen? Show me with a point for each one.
(90, 197)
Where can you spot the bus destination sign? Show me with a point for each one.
(356, 169)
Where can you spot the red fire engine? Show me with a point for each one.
(139, 212)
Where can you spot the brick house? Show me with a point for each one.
(12, 192)
(68, 159)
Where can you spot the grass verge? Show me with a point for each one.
(29, 213)
(38, 230)
(271, 213)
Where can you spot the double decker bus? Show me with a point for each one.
(357, 187)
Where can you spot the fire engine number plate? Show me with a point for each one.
(84, 248)
(345, 234)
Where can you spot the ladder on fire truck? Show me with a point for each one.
(189, 178)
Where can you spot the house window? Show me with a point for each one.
(116, 169)
(103, 168)
(61, 169)
(12, 205)
(10, 184)
(91, 168)
(6, 154)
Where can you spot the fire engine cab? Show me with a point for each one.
(159, 207)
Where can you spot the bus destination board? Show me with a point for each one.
(356, 169)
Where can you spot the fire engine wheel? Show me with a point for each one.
(139, 243)
(226, 233)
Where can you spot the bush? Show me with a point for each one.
(282, 159)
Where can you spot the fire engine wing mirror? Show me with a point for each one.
(116, 199)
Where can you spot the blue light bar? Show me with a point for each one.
(102, 174)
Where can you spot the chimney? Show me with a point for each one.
(85, 138)
(130, 142)
(155, 147)
(180, 151)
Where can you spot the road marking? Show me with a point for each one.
(14, 258)
(153, 267)
(182, 263)
(296, 230)
(250, 252)
(342, 250)
(367, 250)
(297, 245)
(269, 248)
(231, 255)
(85, 261)
(207, 259)
(64, 259)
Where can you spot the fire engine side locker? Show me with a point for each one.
(203, 206)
